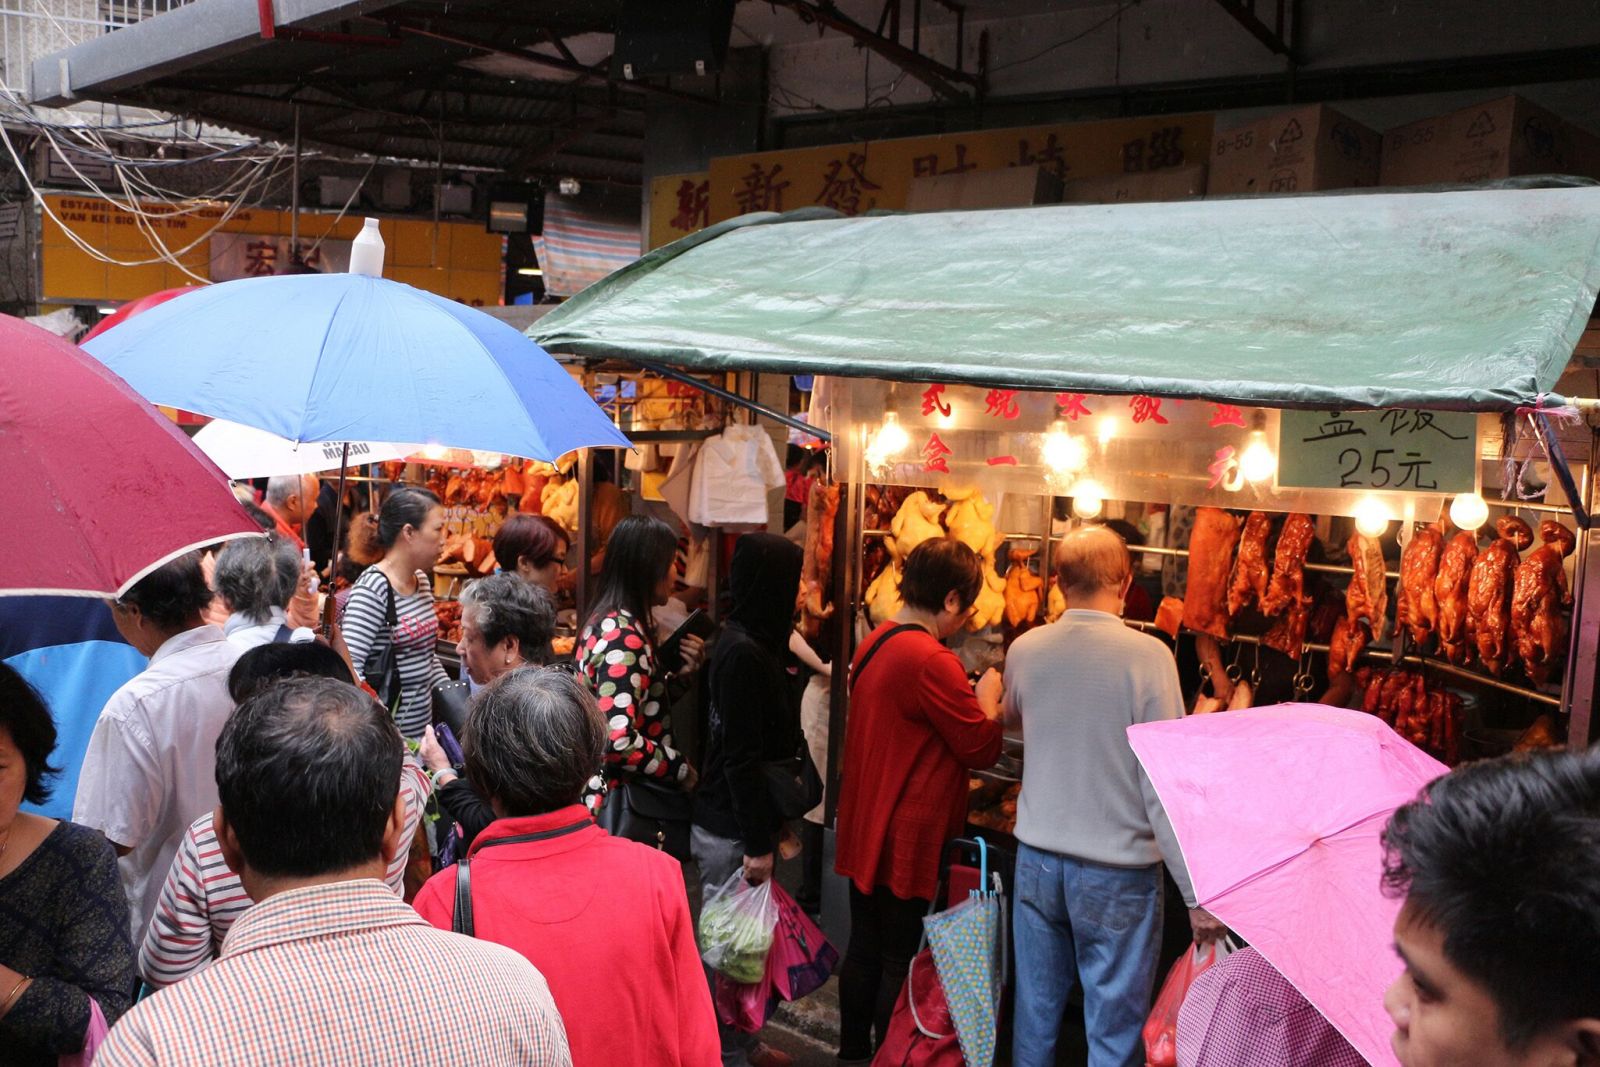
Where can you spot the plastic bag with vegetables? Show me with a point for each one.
(736, 926)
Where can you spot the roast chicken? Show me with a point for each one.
(1417, 606)
(1539, 595)
(1345, 647)
(1489, 594)
(1211, 544)
(1024, 590)
(916, 521)
(1450, 595)
(1249, 582)
(1055, 604)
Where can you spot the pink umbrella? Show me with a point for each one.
(105, 488)
(1278, 811)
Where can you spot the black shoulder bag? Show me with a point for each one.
(873, 651)
(461, 921)
(384, 677)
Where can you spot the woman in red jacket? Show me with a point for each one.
(915, 729)
(605, 920)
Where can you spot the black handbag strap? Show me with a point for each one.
(873, 651)
(461, 921)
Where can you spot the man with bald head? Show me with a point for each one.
(1092, 833)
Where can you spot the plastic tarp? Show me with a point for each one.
(1470, 300)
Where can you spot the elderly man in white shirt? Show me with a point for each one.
(150, 767)
(256, 577)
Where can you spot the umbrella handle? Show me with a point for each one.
(983, 863)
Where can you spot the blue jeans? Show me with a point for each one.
(1074, 919)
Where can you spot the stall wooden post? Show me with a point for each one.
(1578, 687)
(846, 577)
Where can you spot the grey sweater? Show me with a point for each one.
(1075, 686)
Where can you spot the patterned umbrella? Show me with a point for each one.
(969, 953)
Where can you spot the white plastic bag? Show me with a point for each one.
(736, 924)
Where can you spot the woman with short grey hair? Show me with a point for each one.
(506, 623)
(577, 902)
(256, 577)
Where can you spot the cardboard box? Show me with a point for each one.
(1183, 183)
(1498, 139)
(1009, 187)
(1305, 150)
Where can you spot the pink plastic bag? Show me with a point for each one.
(92, 1037)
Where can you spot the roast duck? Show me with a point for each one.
(1489, 591)
(816, 572)
(1539, 595)
(1024, 590)
(1450, 595)
(1416, 610)
(1205, 600)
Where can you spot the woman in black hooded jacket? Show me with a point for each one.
(752, 722)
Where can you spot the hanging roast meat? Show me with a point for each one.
(1538, 599)
(1286, 597)
(1367, 597)
(1450, 596)
(1249, 582)
(1211, 544)
(816, 572)
(1489, 594)
(1417, 606)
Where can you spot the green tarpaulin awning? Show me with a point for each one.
(1470, 300)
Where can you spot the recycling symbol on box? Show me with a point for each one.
(1291, 133)
(1482, 126)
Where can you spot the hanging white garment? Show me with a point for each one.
(733, 475)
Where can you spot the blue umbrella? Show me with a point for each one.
(346, 357)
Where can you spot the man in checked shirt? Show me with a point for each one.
(330, 966)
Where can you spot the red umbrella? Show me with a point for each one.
(133, 307)
(106, 488)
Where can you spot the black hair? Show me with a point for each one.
(317, 755)
(263, 520)
(1503, 858)
(401, 508)
(534, 738)
(638, 555)
(935, 569)
(173, 595)
(284, 659)
(26, 717)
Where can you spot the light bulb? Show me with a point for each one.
(890, 440)
(1468, 511)
(434, 450)
(1107, 429)
(1372, 516)
(1258, 462)
(1062, 452)
(1088, 499)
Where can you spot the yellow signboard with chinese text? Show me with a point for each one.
(679, 204)
(856, 178)
(455, 260)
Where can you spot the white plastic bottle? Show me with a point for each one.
(366, 251)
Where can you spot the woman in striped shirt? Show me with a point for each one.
(410, 529)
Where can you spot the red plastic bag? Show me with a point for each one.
(921, 1032)
(1161, 1029)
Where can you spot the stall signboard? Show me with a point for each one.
(680, 204)
(872, 175)
(257, 255)
(455, 260)
(1395, 450)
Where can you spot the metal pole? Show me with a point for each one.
(737, 400)
(294, 196)
(585, 475)
(331, 604)
(1578, 681)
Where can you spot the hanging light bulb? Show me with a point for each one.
(1468, 511)
(890, 440)
(1372, 516)
(434, 450)
(1062, 452)
(1088, 500)
(1107, 429)
(1258, 462)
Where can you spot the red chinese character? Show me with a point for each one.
(933, 400)
(260, 258)
(844, 182)
(760, 190)
(1147, 409)
(1002, 461)
(694, 206)
(1002, 403)
(1072, 405)
(1225, 415)
(1224, 468)
(928, 165)
(935, 456)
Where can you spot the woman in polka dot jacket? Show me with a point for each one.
(616, 656)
